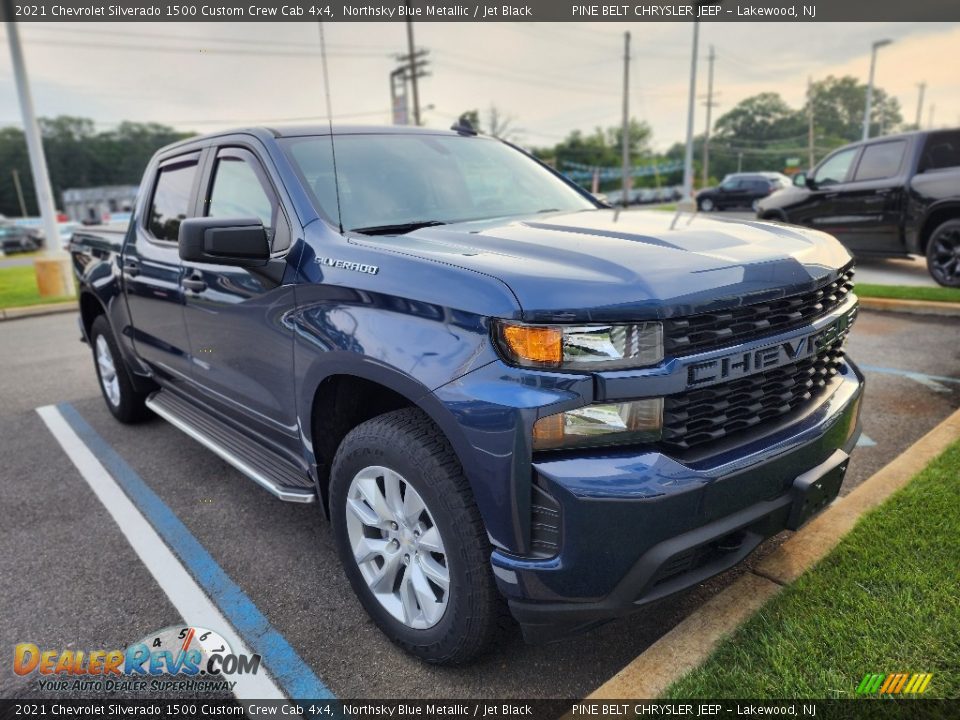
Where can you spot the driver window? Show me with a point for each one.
(730, 184)
(835, 168)
(239, 190)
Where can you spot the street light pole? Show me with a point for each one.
(625, 132)
(873, 64)
(688, 158)
(54, 276)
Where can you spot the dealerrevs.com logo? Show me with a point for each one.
(176, 658)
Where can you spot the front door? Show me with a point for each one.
(241, 342)
(829, 180)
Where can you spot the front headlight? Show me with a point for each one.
(628, 423)
(581, 347)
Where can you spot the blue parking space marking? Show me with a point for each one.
(866, 441)
(292, 674)
(937, 383)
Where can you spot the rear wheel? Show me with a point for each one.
(411, 539)
(943, 254)
(706, 205)
(123, 400)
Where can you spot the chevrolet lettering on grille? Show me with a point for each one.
(747, 362)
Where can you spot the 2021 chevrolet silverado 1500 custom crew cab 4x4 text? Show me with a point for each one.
(502, 393)
(888, 197)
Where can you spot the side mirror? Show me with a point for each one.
(801, 179)
(224, 241)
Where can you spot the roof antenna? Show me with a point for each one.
(464, 126)
(333, 151)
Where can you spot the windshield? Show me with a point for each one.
(409, 180)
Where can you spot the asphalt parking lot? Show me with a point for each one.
(69, 579)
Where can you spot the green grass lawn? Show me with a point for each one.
(904, 292)
(18, 287)
(886, 600)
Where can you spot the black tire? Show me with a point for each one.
(943, 254)
(407, 442)
(707, 205)
(129, 406)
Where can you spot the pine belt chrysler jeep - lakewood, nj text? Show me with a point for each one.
(506, 396)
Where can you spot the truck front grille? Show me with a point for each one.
(707, 414)
(683, 336)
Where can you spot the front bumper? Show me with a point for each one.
(637, 527)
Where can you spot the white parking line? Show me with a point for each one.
(184, 593)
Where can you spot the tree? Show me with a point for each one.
(838, 105)
(79, 156)
(601, 148)
(762, 118)
(497, 124)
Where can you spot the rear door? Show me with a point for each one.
(151, 267)
(870, 204)
(237, 319)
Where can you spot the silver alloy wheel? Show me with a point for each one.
(706, 205)
(397, 546)
(108, 371)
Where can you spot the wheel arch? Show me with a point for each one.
(352, 392)
(935, 217)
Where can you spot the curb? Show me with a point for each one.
(36, 310)
(690, 643)
(914, 307)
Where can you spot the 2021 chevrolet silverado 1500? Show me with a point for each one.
(889, 197)
(502, 393)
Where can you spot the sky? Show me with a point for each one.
(550, 78)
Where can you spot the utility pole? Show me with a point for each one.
(625, 132)
(706, 134)
(810, 157)
(930, 117)
(413, 70)
(16, 184)
(688, 156)
(55, 274)
(922, 87)
(740, 161)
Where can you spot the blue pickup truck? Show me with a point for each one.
(507, 398)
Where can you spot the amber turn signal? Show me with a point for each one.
(539, 345)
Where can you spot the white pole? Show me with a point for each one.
(625, 132)
(38, 162)
(873, 64)
(688, 159)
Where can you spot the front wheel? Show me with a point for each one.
(943, 254)
(122, 398)
(411, 539)
(706, 205)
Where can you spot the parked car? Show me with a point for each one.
(503, 395)
(16, 239)
(889, 197)
(740, 190)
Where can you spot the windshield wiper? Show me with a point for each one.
(398, 229)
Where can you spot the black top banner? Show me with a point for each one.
(483, 11)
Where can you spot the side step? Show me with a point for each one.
(273, 473)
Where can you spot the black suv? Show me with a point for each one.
(888, 197)
(741, 190)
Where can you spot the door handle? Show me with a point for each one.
(131, 267)
(195, 283)
(830, 196)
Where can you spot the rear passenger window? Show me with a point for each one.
(942, 150)
(172, 198)
(881, 160)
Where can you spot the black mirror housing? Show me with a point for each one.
(224, 241)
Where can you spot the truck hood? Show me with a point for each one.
(607, 265)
